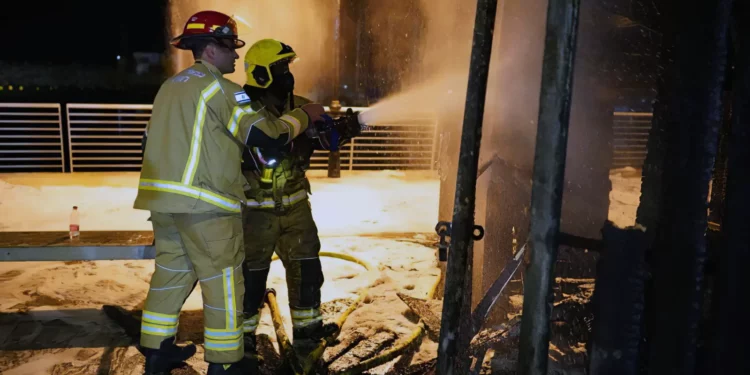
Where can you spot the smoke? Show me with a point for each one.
(432, 81)
(437, 86)
(306, 25)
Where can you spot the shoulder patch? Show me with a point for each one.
(180, 79)
(195, 73)
(241, 97)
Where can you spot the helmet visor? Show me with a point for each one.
(229, 42)
(228, 32)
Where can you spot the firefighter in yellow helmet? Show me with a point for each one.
(278, 216)
(192, 183)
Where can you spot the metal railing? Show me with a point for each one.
(630, 138)
(31, 137)
(106, 136)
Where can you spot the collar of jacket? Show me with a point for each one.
(210, 67)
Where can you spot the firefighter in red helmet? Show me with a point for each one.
(192, 183)
(211, 28)
(209, 24)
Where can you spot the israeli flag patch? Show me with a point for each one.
(241, 97)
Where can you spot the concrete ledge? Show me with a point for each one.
(69, 253)
(92, 245)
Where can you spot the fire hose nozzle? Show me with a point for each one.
(350, 124)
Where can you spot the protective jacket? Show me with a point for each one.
(279, 220)
(276, 177)
(199, 126)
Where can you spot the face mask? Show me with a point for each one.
(283, 80)
(282, 85)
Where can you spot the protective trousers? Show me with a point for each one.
(191, 248)
(294, 237)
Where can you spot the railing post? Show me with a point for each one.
(70, 138)
(433, 164)
(62, 140)
(334, 164)
(334, 155)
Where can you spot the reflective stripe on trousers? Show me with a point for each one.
(304, 317)
(188, 247)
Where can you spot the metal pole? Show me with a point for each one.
(70, 138)
(449, 361)
(677, 334)
(334, 156)
(337, 50)
(547, 188)
(351, 154)
(435, 135)
(731, 285)
(334, 163)
(62, 138)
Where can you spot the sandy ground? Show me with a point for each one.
(41, 299)
(357, 203)
(50, 311)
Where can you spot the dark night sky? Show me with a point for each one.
(82, 31)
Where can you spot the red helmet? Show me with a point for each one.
(208, 24)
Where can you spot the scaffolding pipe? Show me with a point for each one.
(453, 337)
(731, 285)
(547, 188)
(676, 317)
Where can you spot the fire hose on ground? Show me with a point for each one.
(287, 351)
(396, 351)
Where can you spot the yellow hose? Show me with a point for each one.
(395, 351)
(368, 364)
(285, 346)
(316, 353)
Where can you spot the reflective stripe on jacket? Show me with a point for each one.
(289, 182)
(199, 124)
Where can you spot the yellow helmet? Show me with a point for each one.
(259, 58)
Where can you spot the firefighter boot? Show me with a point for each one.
(308, 337)
(240, 368)
(169, 356)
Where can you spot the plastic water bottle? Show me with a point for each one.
(75, 229)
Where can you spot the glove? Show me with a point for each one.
(316, 129)
(314, 111)
(348, 125)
